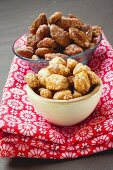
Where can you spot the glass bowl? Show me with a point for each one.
(36, 65)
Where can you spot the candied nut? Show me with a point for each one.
(67, 23)
(32, 80)
(39, 21)
(42, 51)
(53, 55)
(76, 94)
(45, 93)
(70, 80)
(31, 41)
(63, 95)
(56, 82)
(79, 37)
(94, 79)
(42, 74)
(57, 60)
(55, 17)
(96, 31)
(81, 82)
(71, 63)
(30, 48)
(72, 49)
(87, 29)
(35, 57)
(60, 36)
(47, 43)
(59, 69)
(80, 67)
(64, 23)
(42, 32)
(24, 52)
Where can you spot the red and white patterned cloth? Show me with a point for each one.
(26, 134)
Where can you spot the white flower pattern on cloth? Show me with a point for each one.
(105, 90)
(7, 150)
(100, 139)
(84, 133)
(6, 95)
(28, 115)
(108, 77)
(11, 120)
(99, 149)
(21, 146)
(68, 155)
(15, 104)
(36, 153)
(9, 82)
(56, 137)
(108, 125)
(19, 76)
(17, 91)
(4, 109)
(27, 129)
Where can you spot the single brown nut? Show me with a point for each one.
(63, 95)
(76, 94)
(42, 32)
(56, 82)
(73, 16)
(87, 29)
(59, 69)
(57, 60)
(24, 52)
(53, 55)
(45, 93)
(42, 74)
(64, 23)
(67, 23)
(79, 37)
(94, 79)
(32, 29)
(35, 57)
(72, 49)
(81, 82)
(60, 36)
(39, 21)
(55, 17)
(70, 80)
(47, 43)
(31, 41)
(71, 63)
(96, 31)
(42, 51)
(80, 67)
(32, 80)
(30, 48)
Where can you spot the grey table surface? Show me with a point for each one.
(15, 17)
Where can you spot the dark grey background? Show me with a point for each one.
(15, 17)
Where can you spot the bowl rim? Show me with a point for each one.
(97, 89)
(44, 61)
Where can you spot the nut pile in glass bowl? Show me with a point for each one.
(59, 34)
(66, 37)
(63, 80)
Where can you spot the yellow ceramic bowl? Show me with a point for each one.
(65, 112)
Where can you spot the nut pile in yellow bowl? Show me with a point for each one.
(63, 80)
